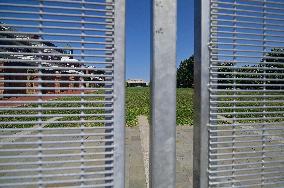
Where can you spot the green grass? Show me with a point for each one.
(73, 109)
(248, 109)
(138, 103)
(185, 108)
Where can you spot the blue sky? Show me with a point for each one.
(138, 36)
(247, 37)
(137, 31)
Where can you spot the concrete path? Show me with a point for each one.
(135, 172)
(184, 147)
(64, 160)
(59, 156)
(137, 159)
(144, 134)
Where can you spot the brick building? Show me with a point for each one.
(19, 64)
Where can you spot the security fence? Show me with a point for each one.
(62, 93)
(240, 71)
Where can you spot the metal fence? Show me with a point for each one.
(62, 93)
(239, 85)
(163, 94)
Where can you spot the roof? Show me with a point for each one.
(136, 81)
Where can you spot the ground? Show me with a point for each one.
(240, 147)
(137, 155)
(138, 103)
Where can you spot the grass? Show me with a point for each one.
(138, 103)
(95, 111)
(248, 109)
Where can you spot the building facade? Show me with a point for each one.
(26, 57)
(136, 83)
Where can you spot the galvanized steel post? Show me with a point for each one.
(201, 79)
(163, 92)
(119, 94)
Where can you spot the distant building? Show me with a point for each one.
(136, 83)
(23, 53)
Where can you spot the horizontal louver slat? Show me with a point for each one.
(57, 93)
(246, 88)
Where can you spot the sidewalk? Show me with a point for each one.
(135, 172)
(137, 155)
(67, 161)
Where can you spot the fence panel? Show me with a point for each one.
(62, 93)
(244, 116)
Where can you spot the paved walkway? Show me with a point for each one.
(137, 150)
(135, 173)
(66, 161)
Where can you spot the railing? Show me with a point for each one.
(239, 78)
(62, 93)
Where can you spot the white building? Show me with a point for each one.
(136, 83)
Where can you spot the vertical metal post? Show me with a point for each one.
(163, 93)
(119, 94)
(201, 79)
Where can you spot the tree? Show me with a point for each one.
(274, 68)
(225, 75)
(185, 73)
(268, 73)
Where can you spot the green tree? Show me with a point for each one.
(185, 73)
(275, 68)
(225, 75)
